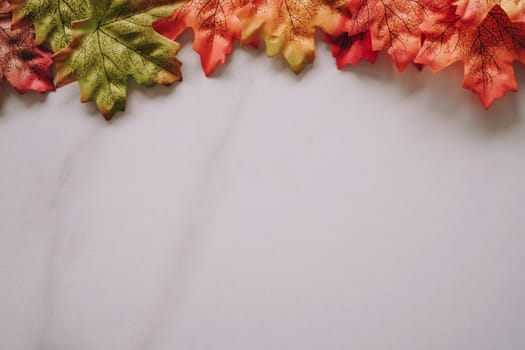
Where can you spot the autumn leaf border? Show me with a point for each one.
(434, 33)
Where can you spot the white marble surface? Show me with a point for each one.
(359, 210)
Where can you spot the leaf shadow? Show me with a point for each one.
(448, 98)
(457, 104)
(149, 93)
(71, 94)
(28, 100)
(411, 80)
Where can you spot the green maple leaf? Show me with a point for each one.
(52, 18)
(114, 43)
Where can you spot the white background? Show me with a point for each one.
(358, 209)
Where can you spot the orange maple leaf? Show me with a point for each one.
(487, 51)
(288, 26)
(394, 25)
(214, 24)
(474, 11)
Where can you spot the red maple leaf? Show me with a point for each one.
(349, 50)
(22, 63)
(487, 51)
(214, 24)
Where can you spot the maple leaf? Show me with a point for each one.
(288, 26)
(349, 50)
(115, 43)
(394, 26)
(214, 24)
(52, 18)
(23, 65)
(475, 11)
(487, 51)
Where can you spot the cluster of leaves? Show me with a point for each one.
(103, 43)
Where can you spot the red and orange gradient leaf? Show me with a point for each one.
(288, 26)
(474, 12)
(393, 25)
(487, 51)
(22, 63)
(214, 24)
